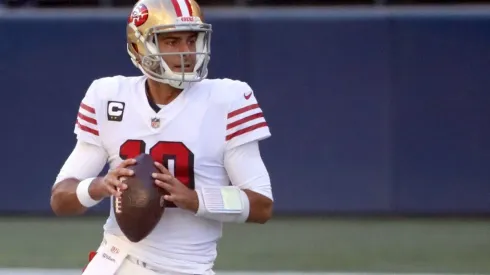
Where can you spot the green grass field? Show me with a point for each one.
(301, 244)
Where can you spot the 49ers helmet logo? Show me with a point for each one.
(139, 15)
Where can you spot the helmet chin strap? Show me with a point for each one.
(174, 83)
(177, 84)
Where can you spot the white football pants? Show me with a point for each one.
(131, 266)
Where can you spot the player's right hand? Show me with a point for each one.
(111, 184)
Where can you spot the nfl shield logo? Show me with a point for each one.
(155, 122)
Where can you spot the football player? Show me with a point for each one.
(202, 133)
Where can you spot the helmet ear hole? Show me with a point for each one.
(150, 62)
(135, 46)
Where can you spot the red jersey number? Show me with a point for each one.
(175, 156)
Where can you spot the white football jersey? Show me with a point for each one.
(190, 136)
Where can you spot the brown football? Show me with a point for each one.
(141, 205)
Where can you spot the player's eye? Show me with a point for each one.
(171, 42)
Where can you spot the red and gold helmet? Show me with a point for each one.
(150, 18)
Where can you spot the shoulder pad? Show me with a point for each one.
(226, 90)
(110, 87)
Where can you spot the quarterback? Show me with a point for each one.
(202, 133)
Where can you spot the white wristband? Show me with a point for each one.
(224, 204)
(83, 195)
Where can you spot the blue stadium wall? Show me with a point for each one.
(372, 111)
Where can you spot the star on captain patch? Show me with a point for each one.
(155, 122)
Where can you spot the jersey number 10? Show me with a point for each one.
(175, 156)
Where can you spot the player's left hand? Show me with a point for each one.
(178, 193)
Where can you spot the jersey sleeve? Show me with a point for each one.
(87, 124)
(245, 119)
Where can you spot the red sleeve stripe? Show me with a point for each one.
(246, 130)
(87, 129)
(243, 110)
(87, 119)
(87, 108)
(244, 120)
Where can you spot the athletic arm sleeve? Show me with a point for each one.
(85, 161)
(247, 170)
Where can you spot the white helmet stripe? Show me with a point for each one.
(185, 7)
(182, 8)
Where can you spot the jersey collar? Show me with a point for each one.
(152, 103)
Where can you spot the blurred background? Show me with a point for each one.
(379, 110)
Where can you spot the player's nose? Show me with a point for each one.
(184, 47)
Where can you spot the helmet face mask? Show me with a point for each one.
(168, 66)
(154, 63)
